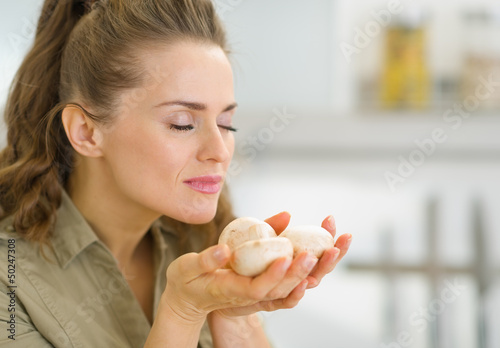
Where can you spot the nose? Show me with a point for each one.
(215, 146)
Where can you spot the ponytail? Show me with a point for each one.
(30, 165)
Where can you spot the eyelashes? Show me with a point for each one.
(181, 128)
(189, 127)
(230, 129)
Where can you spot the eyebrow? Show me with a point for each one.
(194, 106)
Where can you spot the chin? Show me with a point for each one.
(196, 217)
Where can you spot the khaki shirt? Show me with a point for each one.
(79, 298)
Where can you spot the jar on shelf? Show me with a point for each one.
(481, 54)
(405, 81)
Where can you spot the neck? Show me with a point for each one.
(119, 223)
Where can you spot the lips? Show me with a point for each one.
(208, 184)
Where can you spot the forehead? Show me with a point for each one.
(187, 67)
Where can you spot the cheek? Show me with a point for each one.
(145, 160)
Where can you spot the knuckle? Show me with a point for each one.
(268, 306)
(278, 293)
(182, 264)
(240, 302)
(204, 261)
(302, 272)
(256, 294)
(174, 268)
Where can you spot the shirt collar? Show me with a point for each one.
(158, 231)
(72, 234)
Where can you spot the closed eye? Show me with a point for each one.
(181, 128)
(230, 129)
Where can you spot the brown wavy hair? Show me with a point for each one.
(88, 51)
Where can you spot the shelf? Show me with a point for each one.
(371, 134)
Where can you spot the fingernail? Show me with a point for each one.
(219, 254)
(331, 221)
(336, 253)
(348, 243)
(311, 262)
(303, 286)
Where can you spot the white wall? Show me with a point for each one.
(281, 53)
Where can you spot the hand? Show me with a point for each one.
(325, 265)
(197, 284)
(330, 258)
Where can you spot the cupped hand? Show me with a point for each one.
(197, 284)
(301, 263)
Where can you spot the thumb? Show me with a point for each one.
(279, 221)
(207, 261)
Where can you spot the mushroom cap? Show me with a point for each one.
(245, 229)
(254, 257)
(313, 239)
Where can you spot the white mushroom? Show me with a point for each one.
(254, 245)
(313, 239)
(254, 257)
(244, 229)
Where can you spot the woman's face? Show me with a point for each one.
(169, 148)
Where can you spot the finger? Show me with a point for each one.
(295, 296)
(325, 265)
(329, 260)
(301, 266)
(329, 225)
(343, 243)
(288, 302)
(261, 285)
(193, 265)
(279, 221)
(247, 289)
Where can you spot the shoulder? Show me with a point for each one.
(15, 289)
(19, 257)
(16, 252)
(7, 229)
(11, 241)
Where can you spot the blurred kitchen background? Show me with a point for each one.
(385, 114)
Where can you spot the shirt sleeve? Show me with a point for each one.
(17, 328)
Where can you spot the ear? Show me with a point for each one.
(82, 132)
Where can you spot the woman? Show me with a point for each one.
(119, 140)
